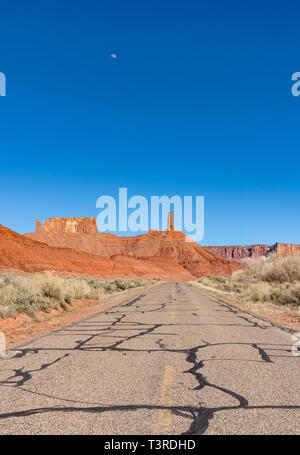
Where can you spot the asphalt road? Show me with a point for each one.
(172, 361)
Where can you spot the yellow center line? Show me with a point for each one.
(164, 415)
(173, 316)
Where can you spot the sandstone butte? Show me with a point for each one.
(57, 232)
(70, 246)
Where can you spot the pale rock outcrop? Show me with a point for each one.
(85, 225)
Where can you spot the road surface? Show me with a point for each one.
(171, 361)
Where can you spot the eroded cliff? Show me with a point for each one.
(169, 249)
(239, 252)
(77, 225)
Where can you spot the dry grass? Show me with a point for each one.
(44, 292)
(276, 280)
(276, 269)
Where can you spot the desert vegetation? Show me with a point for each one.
(44, 292)
(275, 280)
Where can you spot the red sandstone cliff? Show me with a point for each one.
(159, 247)
(80, 234)
(70, 225)
(285, 248)
(18, 252)
(239, 252)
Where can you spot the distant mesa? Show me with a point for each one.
(68, 225)
(244, 252)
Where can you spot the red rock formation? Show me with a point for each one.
(71, 225)
(184, 251)
(239, 252)
(38, 227)
(193, 259)
(159, 253)
(285, 249)
(171, 222)
(18, 252)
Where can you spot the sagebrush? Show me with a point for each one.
(276, 280)
(44, 292)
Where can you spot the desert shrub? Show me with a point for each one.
(23, 302)
(282, 269)
(47, 304)
(5, 280)
(69, 298)
(295, 292)
(238, 275)
(287, 295)
(24, 286)
(220, 282)
(45, 292)
(218, 278)
(30, 295)
(110, 287)
(205, 280)
(275, 269)
(258, 291)
(49, 286)
(234, 287)
(253, 270)
(276, 280)
(121, 284)
(7, 294)
(22, 296)
(16, 299)
(76, 289)
(6, 311)
(94, 283)
(137, 282)
(132, 284)
(280, 296)
(97, 293)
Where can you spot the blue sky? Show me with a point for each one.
(198, 102)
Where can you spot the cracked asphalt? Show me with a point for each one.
(171, 361)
